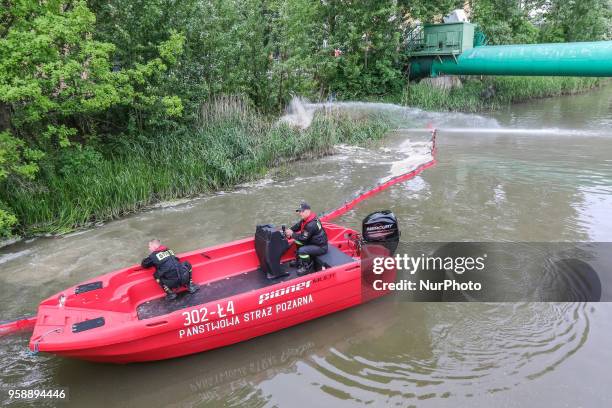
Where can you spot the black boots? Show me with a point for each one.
(192, 287)
(305, 267)
(170, 295)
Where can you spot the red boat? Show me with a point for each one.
(123, 316)
(247, 289)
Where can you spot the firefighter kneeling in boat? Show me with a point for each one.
(170, 273)
(310, 238)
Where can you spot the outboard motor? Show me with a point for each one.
(270, 245)
(381, 227)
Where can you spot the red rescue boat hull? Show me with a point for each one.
(122, 316)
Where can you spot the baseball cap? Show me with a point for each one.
(303, 206)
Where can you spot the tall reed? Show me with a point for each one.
(492, 93)
(231, 144)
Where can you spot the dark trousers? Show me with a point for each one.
(171, 283)
(177, 280)
(306, 252)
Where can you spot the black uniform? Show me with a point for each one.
(310, 237)
(169, 271)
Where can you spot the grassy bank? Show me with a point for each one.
(492, 93)
(230, 146)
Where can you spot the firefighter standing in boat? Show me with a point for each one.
(170, 273)
(310, 238)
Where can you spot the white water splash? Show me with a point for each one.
(516, 131)
(413, 155)
(172, 203)
(256, 183)
(299, 113)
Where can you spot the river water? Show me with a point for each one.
(539, 171)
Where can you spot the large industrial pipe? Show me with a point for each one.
(593, 59)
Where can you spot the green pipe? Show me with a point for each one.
(592, 59)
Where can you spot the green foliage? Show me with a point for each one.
(226, 45)
(268, 50)
(51, 69)
(430, 11)
(368, 35)
(528, 21)
(492, 92)
(79, 160)
(56, 78)
(7, 221)
(573, 20)
(506, 21)
(237, 144)
(90, 90)
(16, 158)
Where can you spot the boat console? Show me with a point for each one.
(270, 245)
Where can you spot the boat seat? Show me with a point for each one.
(333, 257)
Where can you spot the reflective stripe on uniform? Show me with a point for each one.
(298, 242)
(304, 256)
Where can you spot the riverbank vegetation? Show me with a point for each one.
(490, 93)
(101, 101)
(230, 145)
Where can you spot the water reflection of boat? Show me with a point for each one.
(218, 374)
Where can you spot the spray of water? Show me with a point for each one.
(514, 131)
(299, 113)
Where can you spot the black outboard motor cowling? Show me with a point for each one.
(381, 227)
(270, 245)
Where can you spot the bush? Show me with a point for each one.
(231, 145)
(78, 160)
(7, 221)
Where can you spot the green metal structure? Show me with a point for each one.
(457, 49)
(442, 39)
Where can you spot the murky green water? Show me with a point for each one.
(540, 171)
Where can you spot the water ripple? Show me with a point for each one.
(474, 349)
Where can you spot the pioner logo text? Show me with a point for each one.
(283, 291)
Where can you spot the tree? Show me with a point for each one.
(429, 11)
(506, 21)
(344, 47)
(57, 83)
(572, 20)
(55, 78)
